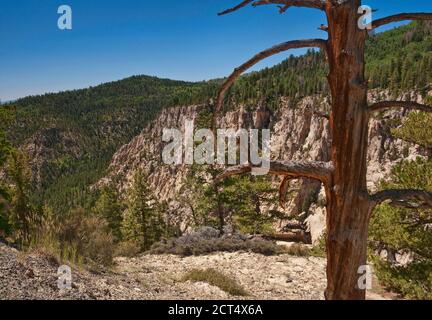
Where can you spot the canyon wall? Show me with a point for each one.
(299, 132)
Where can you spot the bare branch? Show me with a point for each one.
(295, 44)
(237, 7)
(294, 169)
(405, 198)
(299, 169)
(283, 4)
(323, 27)
(399, 104)
(401, 17)
(234, 171)
(284, 8)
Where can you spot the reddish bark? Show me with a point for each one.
(349, 205)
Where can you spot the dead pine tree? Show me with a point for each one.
(349, 204)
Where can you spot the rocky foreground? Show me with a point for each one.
(151, 277)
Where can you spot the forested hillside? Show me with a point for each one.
(84, 128)
(81, 129)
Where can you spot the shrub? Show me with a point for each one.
(77, 238)
(87, 235)
(127, 249)
(217, 279)
(206, 240)
(319, 249)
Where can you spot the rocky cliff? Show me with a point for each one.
(299, 132)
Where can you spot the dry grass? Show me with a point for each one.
(78, 239)
(297, 249)
(217, 279)
(127, 249)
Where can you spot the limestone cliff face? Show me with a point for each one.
(145, 152)
(299, 132)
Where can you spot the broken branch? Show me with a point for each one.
(399, 104)
(401, 17)
(405, 198)
(283, 4)
(295, 44)
(294, 169)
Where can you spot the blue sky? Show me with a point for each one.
(114, 39)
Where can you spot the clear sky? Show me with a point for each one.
(114, 39)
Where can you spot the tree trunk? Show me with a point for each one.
(347, 205)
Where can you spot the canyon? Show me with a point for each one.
(299, 131)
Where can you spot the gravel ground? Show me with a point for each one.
(150, 277)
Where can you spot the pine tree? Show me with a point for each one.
(109, 207)
(142, 221)
(23, 215)
(236, 201)
(401, 230)
(246, 197)
(4, 195)
(5, 149)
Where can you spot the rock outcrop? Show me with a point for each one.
(299, 132)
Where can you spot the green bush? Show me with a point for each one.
(319, 249)
(398, 230)
(413, 281)
(416, 128)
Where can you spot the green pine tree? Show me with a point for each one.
(109, 207)
(23, 215)
(142, 221)
(246, 197)
(236, 201)
(4, 194)
(399, 230)
(5, 149)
